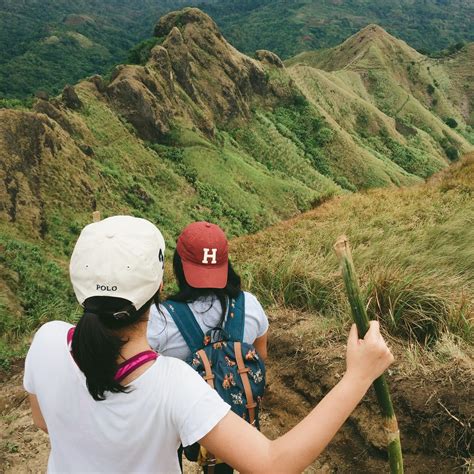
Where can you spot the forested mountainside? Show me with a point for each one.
(288, 27)
(200, 131)
(46, 44)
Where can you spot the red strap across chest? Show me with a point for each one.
(127, 367)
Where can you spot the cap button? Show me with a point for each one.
(207, 224)
(110, 235)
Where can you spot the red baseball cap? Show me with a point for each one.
(204, 251)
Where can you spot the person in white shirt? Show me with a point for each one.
(207, 283)
(110, 404)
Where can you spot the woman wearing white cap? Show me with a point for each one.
(110, 404)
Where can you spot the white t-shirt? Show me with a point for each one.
(138, 431)
(164, 336)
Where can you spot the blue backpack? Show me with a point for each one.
(228, 365)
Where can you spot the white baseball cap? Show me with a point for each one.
(122, 257)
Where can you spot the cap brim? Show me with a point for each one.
(210, 276)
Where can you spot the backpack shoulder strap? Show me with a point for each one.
(235, 321)
(186, 323)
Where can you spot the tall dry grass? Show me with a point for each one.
(413, 249)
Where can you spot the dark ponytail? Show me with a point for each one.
(188, 294)
(97, 343)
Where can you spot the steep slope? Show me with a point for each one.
(413, 253)
(412, 248)
(461, 84)
(385, 91)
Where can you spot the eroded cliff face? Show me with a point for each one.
(194, 75)
(193, 79)
(39, 163)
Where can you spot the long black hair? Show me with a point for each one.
(188, 294)
(97, 342)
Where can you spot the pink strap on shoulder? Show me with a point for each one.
(70, 333)
(127, 367)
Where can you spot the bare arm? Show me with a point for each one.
(260, 345)
(38, 419)
(247, 450)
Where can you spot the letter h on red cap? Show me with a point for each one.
(209, 255)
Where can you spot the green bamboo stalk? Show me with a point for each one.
(359, 315)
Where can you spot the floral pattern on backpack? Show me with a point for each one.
(231, 366)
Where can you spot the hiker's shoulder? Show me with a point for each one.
(181, 373)
(49, 337)
(52, 329)
(251, 301)
(160, 314)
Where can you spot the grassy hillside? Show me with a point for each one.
(412, 249)
(413, 253)
(384, 93)
(400, 81)
(50, 43)
(198, 131)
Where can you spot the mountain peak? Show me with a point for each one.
(370, 47)
(193, 57)
(373, 29)
(182, 18)
(370, 34)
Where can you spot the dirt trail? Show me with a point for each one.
(434, 409)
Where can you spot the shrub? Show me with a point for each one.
(451, 122)
(140, 54)
(345, 183)
(451, 151)
(299, 100)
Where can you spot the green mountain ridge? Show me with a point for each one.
(200, 131)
